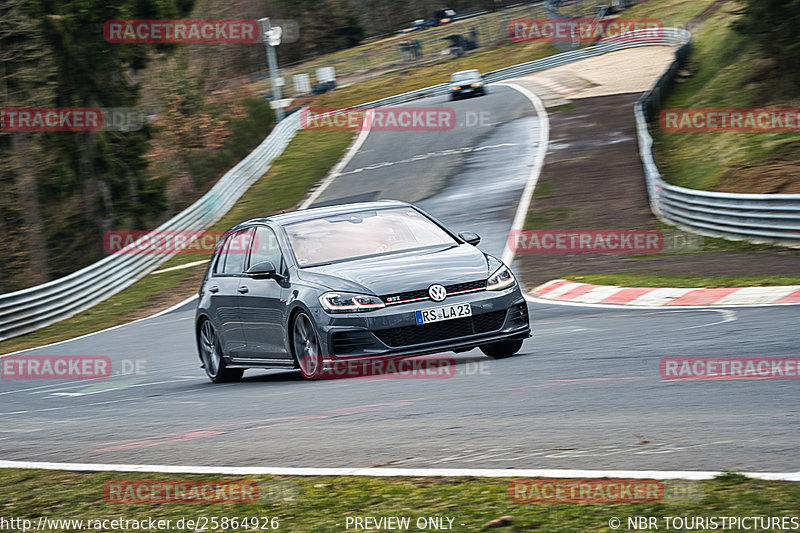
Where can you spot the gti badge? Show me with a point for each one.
(437, 293)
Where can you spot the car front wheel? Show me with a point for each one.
(306, 347)
(501, 349)
(211, 355)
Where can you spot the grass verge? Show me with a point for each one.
(305, 162)
(644, 280)
(323, 503)
(728, 71)
(673, 13)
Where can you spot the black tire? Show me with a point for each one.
(305, 346)
(501, 349)
(212, 356)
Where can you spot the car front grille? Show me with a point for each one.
(422, 294)
(440, 331)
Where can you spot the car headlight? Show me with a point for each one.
(501, 279)
(475, 85)
(349, 302)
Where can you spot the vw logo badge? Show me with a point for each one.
(437, 293)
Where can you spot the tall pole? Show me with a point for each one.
(272, 37)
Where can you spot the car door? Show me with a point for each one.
(224, 285)
(262, 301)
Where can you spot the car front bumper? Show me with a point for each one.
(466, 91)
(393, 331)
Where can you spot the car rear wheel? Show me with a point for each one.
(211, 355)
(501, 349)
(305, 344)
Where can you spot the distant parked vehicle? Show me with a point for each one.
(440, 17)
(466, 83)
(419, 25)
(444, 16)
(322, 88)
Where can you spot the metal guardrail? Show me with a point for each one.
(759, 218)
(29, 309)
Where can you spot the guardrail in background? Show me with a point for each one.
(760, 218)
(29, 309)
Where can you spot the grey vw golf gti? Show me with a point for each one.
(367, 280)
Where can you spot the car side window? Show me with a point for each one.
(220, 254)
(234, 253)
(266, 248)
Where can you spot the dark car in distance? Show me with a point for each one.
(356, 281)
(466, 83)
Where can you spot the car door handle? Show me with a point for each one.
(243, 289)
(213, 288)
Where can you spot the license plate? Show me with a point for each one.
(447, 312)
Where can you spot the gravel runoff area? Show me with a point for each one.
(593, 176)
(627, 71)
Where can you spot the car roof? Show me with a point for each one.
(318, 212)
(470, 71)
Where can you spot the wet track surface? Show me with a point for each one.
(584, 393)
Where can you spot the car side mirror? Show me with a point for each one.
(263, 270)
(470, 237)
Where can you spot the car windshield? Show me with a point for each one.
(466, 75)
(363, 233)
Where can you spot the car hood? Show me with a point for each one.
(403, 272)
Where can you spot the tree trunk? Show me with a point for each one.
(25, 179)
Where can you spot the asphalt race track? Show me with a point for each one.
(585, 392)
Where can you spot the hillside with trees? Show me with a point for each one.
(61, 191)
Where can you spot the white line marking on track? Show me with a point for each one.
(121, 387)
(421, 157)
(727, 316)
(533, 177)
(160, 313)
(384, 472)
(180, 267)
(337, 170)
